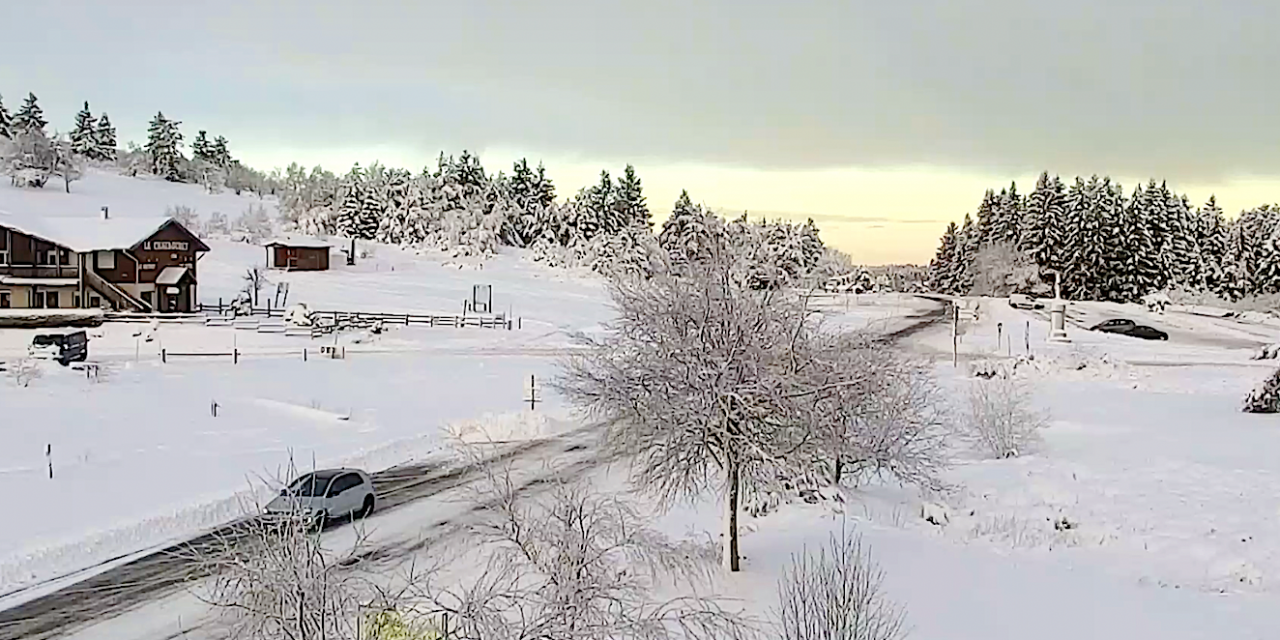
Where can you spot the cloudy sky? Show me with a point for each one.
(880, 119)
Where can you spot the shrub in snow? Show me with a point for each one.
(23, 372)
(185, 216)
(998, 417)
(1265, 398)
(837, 595)
(299, 315)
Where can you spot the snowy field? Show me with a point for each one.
(1172, 495)
(139, 460)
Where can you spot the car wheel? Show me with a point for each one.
(366, 508)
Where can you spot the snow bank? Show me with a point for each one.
(1077, 364)
(508, 427)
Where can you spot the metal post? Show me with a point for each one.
(163, 356)
(48, 454)
(955, 336)
(999, 335)
(235, 356)
(1026, 337)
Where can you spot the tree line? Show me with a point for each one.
(1106, 245)
(456, 206)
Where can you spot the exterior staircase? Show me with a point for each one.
(118, 297)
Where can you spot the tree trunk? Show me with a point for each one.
(730, 538)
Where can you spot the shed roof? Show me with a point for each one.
(171, 275)
(302, 243)
(83, 233)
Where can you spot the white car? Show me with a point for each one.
(326, 495)
(1024, 301)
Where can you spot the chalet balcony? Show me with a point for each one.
(65, 271)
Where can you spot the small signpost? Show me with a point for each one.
(533, 398)
(482, 298)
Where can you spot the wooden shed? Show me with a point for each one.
(298, 255)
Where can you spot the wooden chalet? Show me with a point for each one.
(298, 254)
(143, 265)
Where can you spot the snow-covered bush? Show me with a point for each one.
(837, 595)
(24, 371)
(299, 315)
(254, 223)
(217, 225)
(1264, 398)
(185, 216)
(999, 419)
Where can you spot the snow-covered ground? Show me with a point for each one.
(1172, 494)
(138, 457)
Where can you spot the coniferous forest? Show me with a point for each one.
(454, 206)
(1107, 243)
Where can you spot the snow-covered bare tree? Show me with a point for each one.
(68, 164)
(999, 269)
(837, 595)
(704, 382)
(29, 158)
(255, 280)
(569, 561)
(254, 223)
(999, 418)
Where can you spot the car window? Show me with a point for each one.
(346, 482)
(310, 485)
(46, 340)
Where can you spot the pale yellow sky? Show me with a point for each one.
(877, 216)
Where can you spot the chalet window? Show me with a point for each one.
(5, 302)
(49, 258)
(51, 299)
(95, 302)
(107, 260)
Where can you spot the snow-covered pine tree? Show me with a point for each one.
(1111, 260)
(1212, 238)
(6, 121)
(350, 203)
(219, 153)
(84, 134)
(104, 139)
(200, 147)
(374, 205)
(968, 243)
(163, 147)
(678, 227)
(1010, 208)
(546, 189)
(598, 202)
(811, 245)
(988, 218)
(1077, 241)
(30, 117)
(629, 200)
(942, 269)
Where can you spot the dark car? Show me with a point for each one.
(64, 346)
(1114, 325)
(1146, 333)
(1127, 327)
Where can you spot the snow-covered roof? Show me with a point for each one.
(171, 276)
(82, 234)
(38, 282)
(309, 243)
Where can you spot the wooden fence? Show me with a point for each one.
(339, 318)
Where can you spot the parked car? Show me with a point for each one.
(1024, 301)
(326, 495)
(64, 347)
(1127, 327)
(1114, 325)
(1146, 333)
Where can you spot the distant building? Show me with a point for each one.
(298, 255)
(124, 264)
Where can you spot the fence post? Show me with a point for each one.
(1026, 337)
(163, 356)
(235, 356)
(304, 354)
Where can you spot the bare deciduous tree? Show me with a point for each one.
(703, 382)
(567, 561)
(836, 596)
(999, 269)
(999, 418)
(255, 279)
(23, 372)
